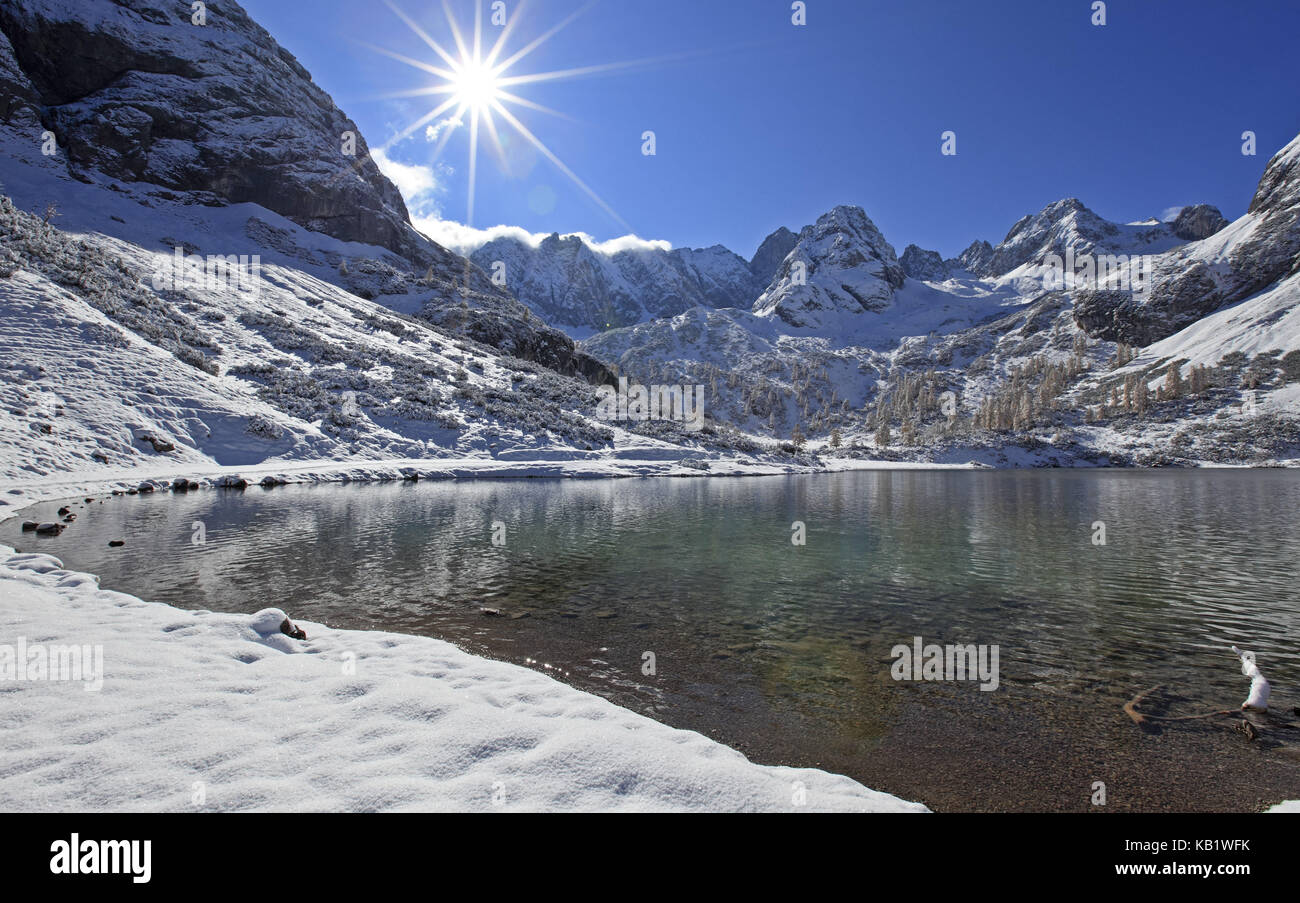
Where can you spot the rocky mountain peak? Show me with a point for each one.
(1279, 188)
(927, 266)
(1198, 222)
(975, 259)
(1063, 224)
(841, 267)
(1207, 275)
(774, 249)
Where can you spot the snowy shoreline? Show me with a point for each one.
(16, 495)
(212, 712)
(39, 600)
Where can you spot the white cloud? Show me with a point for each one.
(1170, 214)
(433, 132)
(624, 243)
(418, 184)
(466, 239)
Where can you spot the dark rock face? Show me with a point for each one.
(771, 254)
(1193, 282)
(19, 100)
(924, 265)
(1120, 316)
(134, 90)
(505, 324)
(1198, 222)
(975, 259)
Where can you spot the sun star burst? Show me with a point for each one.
(477, 91)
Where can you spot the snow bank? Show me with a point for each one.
(202, 711)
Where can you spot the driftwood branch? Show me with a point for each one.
(1140, 718)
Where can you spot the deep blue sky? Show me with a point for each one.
(762, 124)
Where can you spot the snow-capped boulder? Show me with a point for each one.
(841, 268)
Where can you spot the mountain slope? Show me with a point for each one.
(221, 114)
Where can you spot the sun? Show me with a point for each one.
(478, 87)
(475, 86)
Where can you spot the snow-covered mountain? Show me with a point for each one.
(1065, 225)
(1226, 267)
(1069, 225)
(213, 140)
(840, 268)
(569, 284)
(1025, 362)
(197, 276)
(927, 266)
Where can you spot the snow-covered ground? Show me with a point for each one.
(213, 712)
